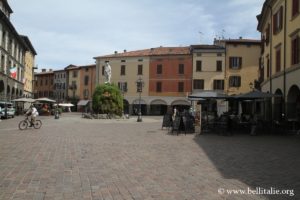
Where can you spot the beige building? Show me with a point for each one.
(279, 24)
(208, 67)
(242, 65)
(28, 79)
(126, 68)
(12, 56)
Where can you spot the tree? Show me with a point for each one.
(107, 99)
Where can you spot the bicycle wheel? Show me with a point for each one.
(23, 125)
(37, 124)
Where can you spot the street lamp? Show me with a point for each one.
(139, 86)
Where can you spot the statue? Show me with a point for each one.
(107, 72)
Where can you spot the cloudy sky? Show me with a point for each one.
(67, 32)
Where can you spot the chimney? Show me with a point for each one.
(50, 70)
(241, 37)
(116, 52)
(43, 70)
(125, 50)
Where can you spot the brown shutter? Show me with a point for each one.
(230, 62)
(281, 18)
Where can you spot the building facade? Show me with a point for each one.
(29, 68)
(166, 73)
(60, 86)
(87, 82)
(44, 84)
(241, 65)
(12, 56)
(279, 23)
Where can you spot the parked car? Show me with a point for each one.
(10, 113)
(10, 110)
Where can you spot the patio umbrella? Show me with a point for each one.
(30, 100)
(256, 95)
(45, 99)
(66, 104)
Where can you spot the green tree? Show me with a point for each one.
(107, 98)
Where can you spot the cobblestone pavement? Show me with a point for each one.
(75, 158)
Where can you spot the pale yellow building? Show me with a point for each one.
(73, 83)
(126, 69)
(242, 65)
(29, 68)
(279, 24)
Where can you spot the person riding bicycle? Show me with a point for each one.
(32, 112)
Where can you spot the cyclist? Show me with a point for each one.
(32, 112)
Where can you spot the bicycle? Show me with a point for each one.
(26, 122)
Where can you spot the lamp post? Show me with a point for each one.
(139, 86)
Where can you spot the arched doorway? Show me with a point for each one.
(181, 105)
(158, 107)
(293, 103)
(278, 105)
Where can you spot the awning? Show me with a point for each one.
(30, 100)
(45, 99)
(82, 102)
(207, 95)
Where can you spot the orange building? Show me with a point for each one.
(44, 84)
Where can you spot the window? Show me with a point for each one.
(140, 60)
(235, 62)
(159, 69)
(180, 86)
(234, 81)
(181, 69)
(219, 54)
(86, 80)
(198, 66)
(219, 65)
(123, 60)
(278, 60)
(86, 69)
(123, 69)
(140, 69)
(198, 84)
(278, 20)
(158, 86)
(199, 54)
(295, 8)
(86, 93)
(103, 69)
(46, 81)
(122, 86)
(295, 50)
(218, 84)
(74, 74)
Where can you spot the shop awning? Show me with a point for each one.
(82, 102)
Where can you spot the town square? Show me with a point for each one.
(76, 158)
(141, 100)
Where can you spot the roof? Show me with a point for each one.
(76, 67)
(260, 17)
(159, 51)
(7, 6)
(241, 41)
(28, 43)
(206, 46)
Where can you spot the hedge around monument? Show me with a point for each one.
(107, 99)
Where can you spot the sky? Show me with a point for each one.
(65, 32)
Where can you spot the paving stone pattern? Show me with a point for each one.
(82, 159)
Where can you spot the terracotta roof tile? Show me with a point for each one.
(151, 52)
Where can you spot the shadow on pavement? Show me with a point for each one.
(258, 161)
